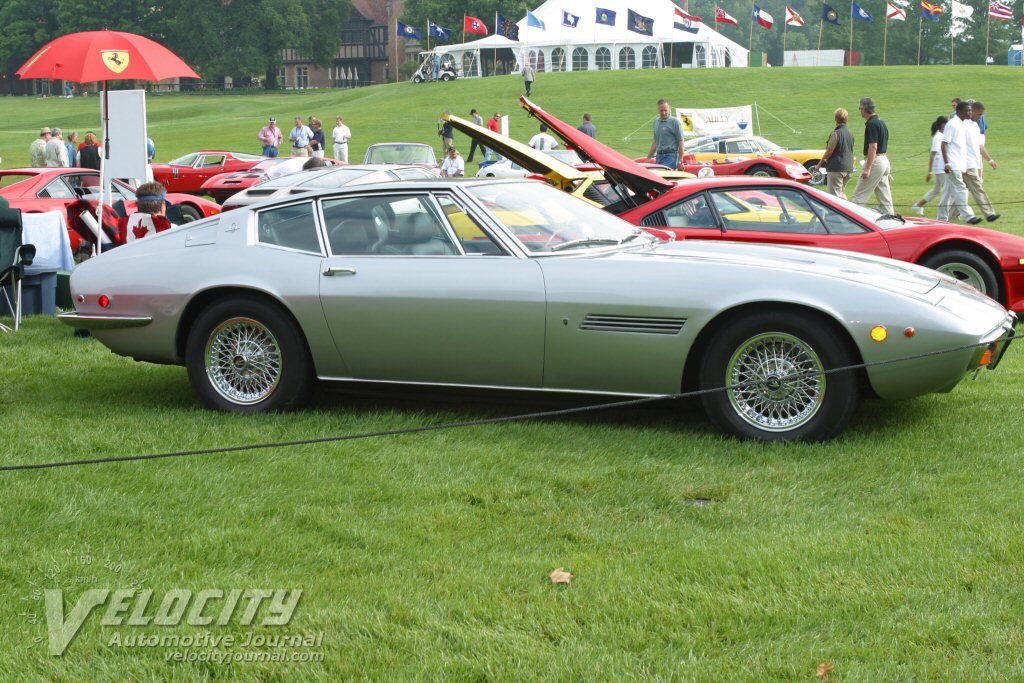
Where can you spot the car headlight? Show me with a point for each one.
(795, 171)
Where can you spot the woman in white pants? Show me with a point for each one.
(935, 167)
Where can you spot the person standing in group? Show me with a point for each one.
(588, 126)
(478, 120)
(341, 135)
(935, 165)
(453, 166)
(542, 141)
(56, 151)
(271, 138)
(318, 142)
(72, 147)
(838, 158)
(300, 137)
(89, 152)
(447, 132)
(954, 163)
(37, 150)
(975, 153)
(494, 125)
(875, 177)
(668, 140)
(528, 76)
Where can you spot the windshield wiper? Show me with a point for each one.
(586, 240)
(894, 216)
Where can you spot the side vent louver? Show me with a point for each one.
(627, 323)
(655, 220)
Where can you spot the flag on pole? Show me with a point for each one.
(406, 31)
(859, 12)
(829, 15)
(439, 32)
(895, 13)
(532, 20)
(723, 17)
(570, 20)
(960, 17)
(763, 18)
(930, 12)
(474, 25)
(507, 28)
(638, 23)
(1001, 11)
(793, 18)
(605, 17)
(686, 22)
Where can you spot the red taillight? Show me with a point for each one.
(104, 301)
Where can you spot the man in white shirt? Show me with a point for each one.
(542, 141)
(56, 152)
(954, 158)
(453, 166)
(975, 153)
(301, 136)
(341, 135)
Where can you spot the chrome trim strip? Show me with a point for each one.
(501, 387)
(103, 322)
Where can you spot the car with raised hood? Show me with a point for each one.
(777, 211)
(188, 173)
(512, 284)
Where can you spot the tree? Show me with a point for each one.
(28, 25)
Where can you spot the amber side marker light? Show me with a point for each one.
(986, 358)
(879, 333)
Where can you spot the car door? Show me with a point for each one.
(415, 290)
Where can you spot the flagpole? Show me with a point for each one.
(428, 35)
(885, 35)
(463, 27)
(851, 32)
(988, 31)
(952, 48)
(820, 26)
(494, 71)
(750, 42)
(920, 24)
(785, 30)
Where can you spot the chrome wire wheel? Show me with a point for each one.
(243, 361)
(966, 273)
(777, 380)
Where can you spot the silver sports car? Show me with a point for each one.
(513, 284)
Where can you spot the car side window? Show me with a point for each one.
(291, 227)
(767, 210)
(835, 222)
(386, 226)
(741, 147)
(693, 212)
(209, 161)
(472, 236)
(57, 189)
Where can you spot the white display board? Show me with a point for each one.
(814, 58)
(127, 133)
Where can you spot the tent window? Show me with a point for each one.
(469, 64)
(558, 59)
(539, 66)
(532, 58)
(580, 59)
(603, 59)
(627, 58)
(650, 57)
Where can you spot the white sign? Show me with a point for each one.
(127, 132)
(721, 121)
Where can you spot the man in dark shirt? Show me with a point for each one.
(875, 178)
(838, 158)
(588, 126)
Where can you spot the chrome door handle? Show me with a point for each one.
(331, 272)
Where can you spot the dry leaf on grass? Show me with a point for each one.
(824, 669)
(561, 576)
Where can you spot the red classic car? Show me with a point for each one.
(73, 190)
(745, 209)
(188, 173)
(224, 185)
(767, 167)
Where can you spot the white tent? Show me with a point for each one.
(590, 46)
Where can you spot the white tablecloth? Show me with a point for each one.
(49, 233)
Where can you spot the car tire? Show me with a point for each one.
(190, 213)
(763, 170)
(818, 176)
(966, 267)
(770, 346)
(246, 355)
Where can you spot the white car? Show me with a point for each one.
(506, 168)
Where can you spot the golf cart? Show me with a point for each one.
(448, 71)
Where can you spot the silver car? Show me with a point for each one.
(513, 284)
(324, 178)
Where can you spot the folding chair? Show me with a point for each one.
(14, 256)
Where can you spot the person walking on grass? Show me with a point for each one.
(668, 146)
(838, 158)
(935, 165)
(954, 163)
(528, 77)
(875, 178)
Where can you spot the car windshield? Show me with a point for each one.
(400, 154)
(545, 220)
(768, 145)
(566, 156)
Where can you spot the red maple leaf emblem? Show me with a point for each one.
(140, 231)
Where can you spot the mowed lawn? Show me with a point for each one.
(890, 554)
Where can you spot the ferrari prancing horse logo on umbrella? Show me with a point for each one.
(116, 60)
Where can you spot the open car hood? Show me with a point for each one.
(532, 160)
(618, 168)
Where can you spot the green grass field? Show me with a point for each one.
(892, 553)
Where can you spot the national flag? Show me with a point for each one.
(638, 23)
(532, 20)
(570, 20)
(507, 28)
(930, 12)
(474, 25)
(605, 16)
(406, 31)
(793, 18)
(1001, 11)
(439, 32)
(961, 11)
(895, 13)
(858, 12)
(829, 15)
(723, 17)
(687, 22)
(763, 18)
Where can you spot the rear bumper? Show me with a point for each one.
(103, 322)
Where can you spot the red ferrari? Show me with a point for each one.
(73, 190)
(224, 185)
(766, 167)
(774, 210)
(188, 173)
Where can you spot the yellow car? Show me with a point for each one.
(720, 148)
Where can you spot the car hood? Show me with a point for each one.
(618, 168)
(524, 155)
